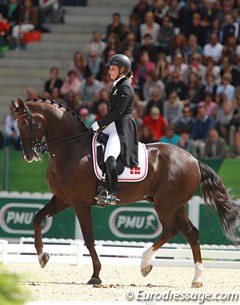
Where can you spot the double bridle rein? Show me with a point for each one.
(37, 143)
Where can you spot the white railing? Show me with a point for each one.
(74, 252)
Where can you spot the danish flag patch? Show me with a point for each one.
(135, 170)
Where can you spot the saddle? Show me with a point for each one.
(125, 174)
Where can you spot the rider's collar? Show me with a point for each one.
(117, 80)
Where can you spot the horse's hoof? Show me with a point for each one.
(145, 271)
(197, 285)
(43, 258)
(94, 281)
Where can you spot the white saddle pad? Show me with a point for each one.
(133, 174)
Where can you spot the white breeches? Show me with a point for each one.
(113, 147)
(18, 30)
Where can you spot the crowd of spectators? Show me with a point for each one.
(186, 74)
(20, 16)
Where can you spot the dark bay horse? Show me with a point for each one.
(172, 179)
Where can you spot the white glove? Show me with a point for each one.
(95, 126)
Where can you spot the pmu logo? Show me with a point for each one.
(139, 222)
(17, 218)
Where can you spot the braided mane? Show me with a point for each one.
(61, 107)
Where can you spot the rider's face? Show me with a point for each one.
(114, 72)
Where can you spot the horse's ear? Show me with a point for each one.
(20, 103)
(15, 105)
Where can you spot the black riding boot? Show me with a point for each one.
(109, 196)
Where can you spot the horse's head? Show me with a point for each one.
(31, 132)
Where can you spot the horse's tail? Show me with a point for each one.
(215, 194)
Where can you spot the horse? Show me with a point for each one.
(172, 179)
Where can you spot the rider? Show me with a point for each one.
(119, 125)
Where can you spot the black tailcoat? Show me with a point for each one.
(120, 111)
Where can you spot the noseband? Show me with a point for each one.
(33, 124)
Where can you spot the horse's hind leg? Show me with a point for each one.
(192, 236)
(170, 229)
(53, 207)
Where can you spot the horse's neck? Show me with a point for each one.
(59, 123)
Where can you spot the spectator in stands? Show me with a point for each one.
(215, 146)
(186, 143)
(102, 110)
(113, 44)
(144, 67)
(55, 95)
(208, 86)
(134, 26)
(96, 45)
(213, 49)
(159, 8)
(145, 135)
(197, 29)
(32, 94)
(94, 62)
(156, 122)
(166, 36)
(27, 22)
(192, 48)
(209, 105)
(193, 89)
(102, 99)
(197, 66)
(229, 28)
(106, 81)
(156, 100)
(171, 137)
(186, 14)
(174, 13)
(179, 65)
(208, 14)
(140, 9)
(235, 122)
(228, 67)
(90, 89)
(200, 130)
(148, 46)
(176, 84)
(72, 101)
(149, 27)
(152, 82)
(86, 117)
(235, 147)
(231, 50)
(4, 30)
(172, 108)
(72, 83)
(78, 64)
(51, 10)
(224, 115)
(11, 130)
(185, 123)
(53, 82)
(226, 87)
(13, 12)
(131, 44)
(162, 67)
(179, 44)
(117, 27)
(213, 67)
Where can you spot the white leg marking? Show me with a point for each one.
(198, 274)
(146, 259)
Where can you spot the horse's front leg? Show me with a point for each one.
(85, 220)
(53, 207)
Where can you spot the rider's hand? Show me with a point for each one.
(95, 126)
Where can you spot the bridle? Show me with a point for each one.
(37, 143)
